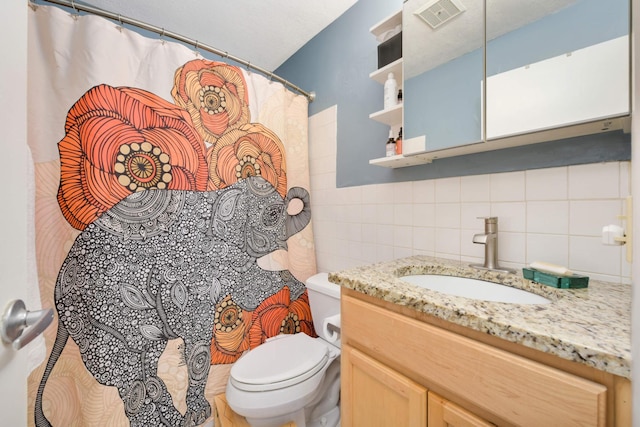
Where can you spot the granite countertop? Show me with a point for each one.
(590, 326)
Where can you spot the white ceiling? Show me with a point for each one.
(264, 32)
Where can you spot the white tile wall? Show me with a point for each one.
(554, 215)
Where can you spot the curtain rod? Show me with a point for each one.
(162, 32)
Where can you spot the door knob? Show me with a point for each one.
(19, 326)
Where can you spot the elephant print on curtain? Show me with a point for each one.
(175, 204)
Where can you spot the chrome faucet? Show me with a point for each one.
(490, 241)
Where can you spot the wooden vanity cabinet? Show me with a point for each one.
(401, 369)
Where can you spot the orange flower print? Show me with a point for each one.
(122, 140)
(214, 94)
(279, 315)
(230, 333)
(251, 150)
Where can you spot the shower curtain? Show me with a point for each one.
(172, 221)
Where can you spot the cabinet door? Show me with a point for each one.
(442, 50)
(375, 395)
(554, 63)
(443, 413)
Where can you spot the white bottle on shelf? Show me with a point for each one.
(390, 92)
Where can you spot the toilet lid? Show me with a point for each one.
(279, 363)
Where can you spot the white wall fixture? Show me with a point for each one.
(615, 235)
(612, 235)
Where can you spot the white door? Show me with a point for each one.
(13, 200)
(635, 185)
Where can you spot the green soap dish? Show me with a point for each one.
(564, 282)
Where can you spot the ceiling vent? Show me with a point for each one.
(438, 12)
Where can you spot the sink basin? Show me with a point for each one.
(474, 289)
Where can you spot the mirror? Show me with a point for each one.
(550, 64)
(560, 63)
(443, 71)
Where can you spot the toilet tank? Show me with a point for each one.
(324, 299)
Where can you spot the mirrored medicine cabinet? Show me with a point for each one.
(491, 74)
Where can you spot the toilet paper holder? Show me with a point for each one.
(333, 328)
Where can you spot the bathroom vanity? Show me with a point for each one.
(416, 357)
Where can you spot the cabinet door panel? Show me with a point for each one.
(375, 395)
(443, 413)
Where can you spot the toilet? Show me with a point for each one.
(294, 377)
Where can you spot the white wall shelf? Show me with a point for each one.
(387, 24)
(399, 161)
(391, 116)
(380, 75)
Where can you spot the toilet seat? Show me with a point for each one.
(281, 362)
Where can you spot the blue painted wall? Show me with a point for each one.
(336, 65)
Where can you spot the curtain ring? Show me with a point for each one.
(162, 36)
(77, 13)
(249, 66)
(196, 48)
(121, 26)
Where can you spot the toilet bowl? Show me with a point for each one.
(293, 377)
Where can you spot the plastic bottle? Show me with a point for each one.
(391, 145)
(399, 142)
(390, 92)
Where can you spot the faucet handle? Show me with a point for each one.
(490, 223)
